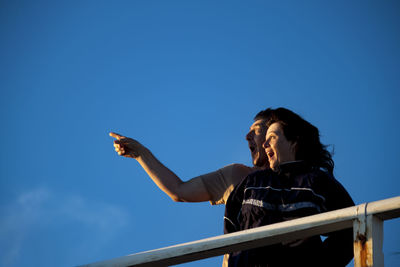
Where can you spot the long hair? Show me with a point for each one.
(306, 136)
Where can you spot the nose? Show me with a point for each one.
(265, 144)
(248, 136)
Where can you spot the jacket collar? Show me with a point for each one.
(292, 167)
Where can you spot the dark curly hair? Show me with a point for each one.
(263, 114)
(306, 136)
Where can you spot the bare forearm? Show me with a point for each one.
(163, 177)
(190, 191)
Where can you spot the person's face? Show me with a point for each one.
(256, 137)
(277, 147)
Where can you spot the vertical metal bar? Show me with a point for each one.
(360, 237)
(368, 240)
(375, 240)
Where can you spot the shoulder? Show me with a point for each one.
(236, 171)
(332, 189)
(322, 177)
(237, 167)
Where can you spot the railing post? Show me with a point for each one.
(368, 240)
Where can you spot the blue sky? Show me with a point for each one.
(185, 78)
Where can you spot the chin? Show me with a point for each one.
(257, 161)
(273, 167)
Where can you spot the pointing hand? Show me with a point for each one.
(126, 146)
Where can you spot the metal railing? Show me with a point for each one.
(366, 220)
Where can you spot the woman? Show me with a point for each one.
(300, 183)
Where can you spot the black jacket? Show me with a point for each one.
(297, 190)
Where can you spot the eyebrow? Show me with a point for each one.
(272, 132)
(259, 124)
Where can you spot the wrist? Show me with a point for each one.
(142, 153)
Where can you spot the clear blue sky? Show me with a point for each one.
(185, 78)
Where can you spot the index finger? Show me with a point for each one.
(116, 136)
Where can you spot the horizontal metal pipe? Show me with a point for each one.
(256, 237)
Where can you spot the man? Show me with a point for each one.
(215, 186)
(299, 183)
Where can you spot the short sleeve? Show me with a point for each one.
(220, 183)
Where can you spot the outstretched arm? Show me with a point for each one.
(193, 190)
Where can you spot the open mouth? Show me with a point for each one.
(270, 153)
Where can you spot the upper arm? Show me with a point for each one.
(214, 186)
(193, 190)
(336, 195)
(338, 246)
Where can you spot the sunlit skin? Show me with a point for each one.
(131, 148)
(256, 137)
(278, 149)
(193, 190)
(126, 146)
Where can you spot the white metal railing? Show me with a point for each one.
(366, 220)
